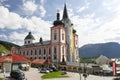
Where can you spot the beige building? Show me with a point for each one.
(102, 60)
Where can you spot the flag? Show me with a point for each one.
(114, 68)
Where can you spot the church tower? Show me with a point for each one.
(71, 37)
(68, 28)
(29, 39)
(58, 41)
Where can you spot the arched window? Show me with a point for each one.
(25, 42)
(55, 35)
(44, 57)
(31, 52)
(55, 53)
(55, 50)
(23, 52)
(39, 57)
(62, 36)
(44, 51)
(35, 52)
(28, 42)
(40, 52)
(27, 53)
(49, 51)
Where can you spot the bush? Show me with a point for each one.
(63, 73)
(116, 79)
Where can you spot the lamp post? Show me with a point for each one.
(84, 75)
(79, 68)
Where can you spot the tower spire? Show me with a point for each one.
(65, 14)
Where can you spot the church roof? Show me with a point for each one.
(37, 44)
(29, 36)
(65, 14)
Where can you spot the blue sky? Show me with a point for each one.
(96, 21)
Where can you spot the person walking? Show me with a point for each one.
(4, 70)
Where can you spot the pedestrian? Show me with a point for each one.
(4, 70)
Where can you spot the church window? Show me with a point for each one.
(35, 52)
(27, 52)
(55, 57)
(23, 52)
(44, 57)
(40, 52)
(44, 51)
(49, 51)
(62, 36)
(31, 52)
(55, 50)
(55, 35)
(25, 42)
(39, 57)
(20, 52)
(28, 42)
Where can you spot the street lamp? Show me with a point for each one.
(79, 68)
(84, 75)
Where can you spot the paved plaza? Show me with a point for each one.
(34, 74)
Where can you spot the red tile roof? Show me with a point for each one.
(14, 58)
(5, 59)
(41, 61)
(19, 58)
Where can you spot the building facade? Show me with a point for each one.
(62, 46)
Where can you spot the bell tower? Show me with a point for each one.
(58, 40)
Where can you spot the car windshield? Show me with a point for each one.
(21, 74)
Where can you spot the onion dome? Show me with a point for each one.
(58, 21)
(29, 36)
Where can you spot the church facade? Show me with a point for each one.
(62, 46)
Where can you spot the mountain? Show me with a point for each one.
(6, 46)
(110, 50)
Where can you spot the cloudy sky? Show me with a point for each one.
(96, 21)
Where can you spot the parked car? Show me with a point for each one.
(54, 68)
(24, 67)
(17, 75)
(44, 70)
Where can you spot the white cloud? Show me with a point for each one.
(81, 9)
(97, 30)
(29, 6)
(12, 21)
(112, 6)
(9, 19)
(42, 9)
(16, 35)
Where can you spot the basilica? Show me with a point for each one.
(62, 46)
